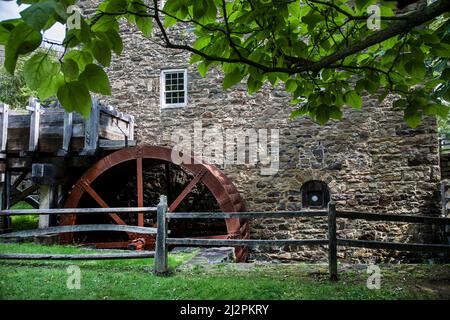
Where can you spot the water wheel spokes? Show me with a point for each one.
(218, 186)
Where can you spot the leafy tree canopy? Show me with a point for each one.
(325, 52)
(13, 89)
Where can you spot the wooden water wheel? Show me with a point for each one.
(136, 176)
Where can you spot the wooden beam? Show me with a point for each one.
(187, 189)
(67, 134)
(91, 126)
(19, 179)
(100, 201)
(140, 188)
(4, 117)
(88, 256)
(392, 217)
(115, 144)
(46, 200)
(35, 118)
(246, 242)
(20, 212)
(79, 228)
(232, 215)
(22, 195)
(421, 247)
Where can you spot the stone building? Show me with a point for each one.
(370, 161)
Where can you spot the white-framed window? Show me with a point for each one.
(173, 88)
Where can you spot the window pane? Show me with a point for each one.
(174, 87)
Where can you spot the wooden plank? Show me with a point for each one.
(88, 256)
(115, 144)
(421, 247)
(20, 196)
(79, 228)
(392, 217)
(4, 117)
(67, 133)
(35, 115)
(91, 130)
(245, 242)
(140, 188)
(231, 215)
(332, 241)
(46, 201)
(20, 212)
(161, 248)
(19, 179)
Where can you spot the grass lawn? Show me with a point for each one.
(23, 222)
(133, 279)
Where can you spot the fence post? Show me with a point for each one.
(332, 241)
(161, 267)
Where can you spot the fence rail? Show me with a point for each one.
(332, 241)
(163, 241)
(78, 228)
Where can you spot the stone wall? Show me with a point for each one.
(371, 160)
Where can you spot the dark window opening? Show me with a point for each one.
(315, 194)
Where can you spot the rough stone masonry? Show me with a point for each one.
(371, 160)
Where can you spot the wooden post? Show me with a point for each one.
(46, 200)
(47, 176)
(161, 266)
(332, 241)
(4, 112)
(91, 129)
(35, 110)
(67, 134)
(5, 201)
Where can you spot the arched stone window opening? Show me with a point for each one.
(315, 194)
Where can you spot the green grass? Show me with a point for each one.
(24, 222)
(133, 279)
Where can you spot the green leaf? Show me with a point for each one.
(232, 78)
(105, 23)
(81, 57)
(49, 87)
(446, 74)
(116, 6)
(23, 39)
(145, 24)
(446, 95)
(6, 26)
(416, 69)
(253, 85)
(353, 99)
(74, 96)
(335, 113)
(322, 114)
(412, 119)
(38, 14)
(203, 68)
(101, 52)
(70, 69)
(39, 68)
(291, 85)
(114, 41)
(95, 79)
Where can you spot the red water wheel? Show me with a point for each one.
(136, 177)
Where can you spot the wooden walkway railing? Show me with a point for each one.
(163, 240)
